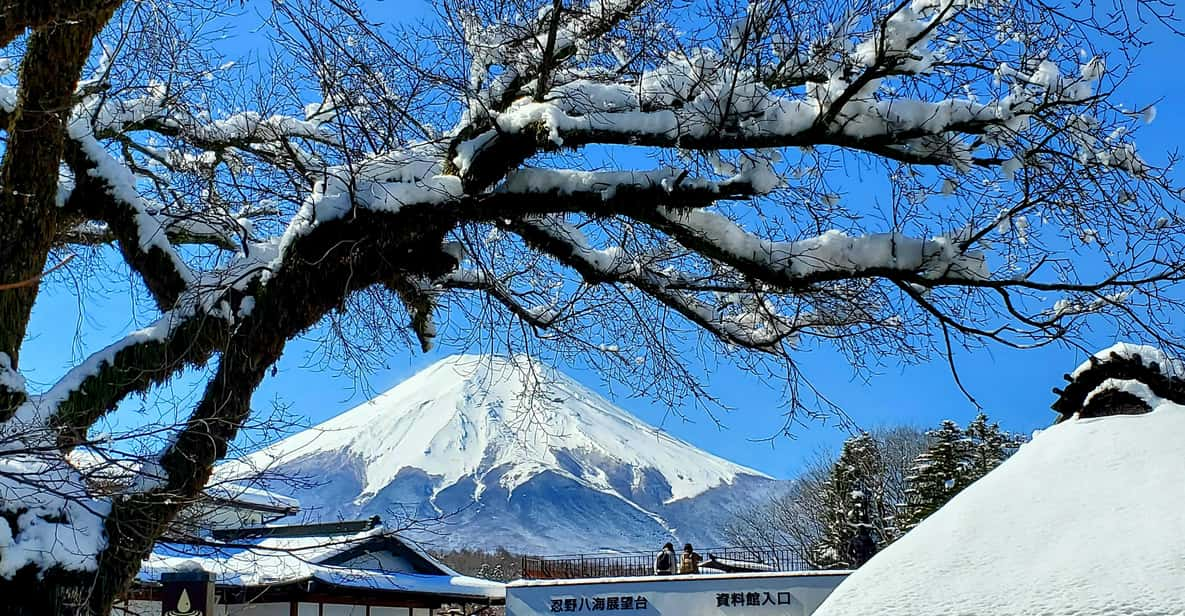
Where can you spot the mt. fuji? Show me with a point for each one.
(509, 453)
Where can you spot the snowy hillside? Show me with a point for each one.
(514, 454)
(1084, 520)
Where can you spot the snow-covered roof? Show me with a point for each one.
(1167, 366)
(275, 561)
(445, 585)
(265, 561)
(1088, 518)
(432, 560)
(239, 494)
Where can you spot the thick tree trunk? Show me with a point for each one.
(137, 521)
(296, 298)
(18, 15)
(49, 74)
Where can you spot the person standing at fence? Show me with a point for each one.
(689, 561)
(664, 561)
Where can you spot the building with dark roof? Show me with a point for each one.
(354, 568)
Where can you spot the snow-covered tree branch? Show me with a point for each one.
(616, 178)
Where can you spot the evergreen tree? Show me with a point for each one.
(938, 474)
(492, 571)
(853, 501)
(955, 459)
(990, 446)
(798, 518)
(843, 510)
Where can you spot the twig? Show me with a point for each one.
(34, 280)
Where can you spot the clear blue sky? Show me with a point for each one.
(1014, 387)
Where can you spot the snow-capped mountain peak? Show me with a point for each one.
(484, 427)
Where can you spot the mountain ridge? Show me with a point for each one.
(511, 451)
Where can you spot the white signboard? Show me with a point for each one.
(793, 594)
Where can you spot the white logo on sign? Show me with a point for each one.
(184, 606)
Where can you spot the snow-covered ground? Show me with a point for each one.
(1087, 519)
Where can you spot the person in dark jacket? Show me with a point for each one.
(689, 561)
(664, 561)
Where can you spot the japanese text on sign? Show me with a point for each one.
(599, 604)
(752, 599)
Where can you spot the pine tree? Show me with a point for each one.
(955, 459)
(938, 474)
(853, 502)
(990, 446)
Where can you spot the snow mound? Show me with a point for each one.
(504, 420)
(1084, 520)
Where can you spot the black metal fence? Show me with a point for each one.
(627, 564)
